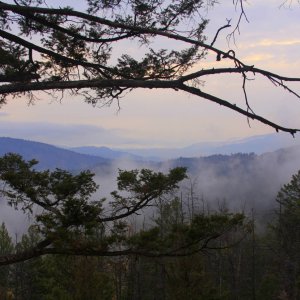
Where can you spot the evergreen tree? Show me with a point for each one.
(287, 232)
(6, 248)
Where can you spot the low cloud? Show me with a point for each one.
(265, 43)
(65, 134)
(258, 57)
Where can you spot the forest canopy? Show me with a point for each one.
(69, 218)
(82, 247)
(77, 49)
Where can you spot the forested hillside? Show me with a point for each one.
(245, 181)
(49, 157)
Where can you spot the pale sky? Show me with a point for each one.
(174, 119)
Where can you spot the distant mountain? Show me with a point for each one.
(256, 144)
(50, 157)
(106, 152)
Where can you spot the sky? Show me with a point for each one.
(151, 118)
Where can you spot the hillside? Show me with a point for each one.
(106, 152)
(50, 157)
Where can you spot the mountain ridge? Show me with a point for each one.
(256, 144)
(105, 152)
(49, 156)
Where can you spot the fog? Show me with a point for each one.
(239, 182)
(246, 183)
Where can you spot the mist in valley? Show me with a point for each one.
(246, 183)
(237, 182)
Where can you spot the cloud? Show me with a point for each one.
(273, 42)
(3, 114)
(65, 134)
(258, 57)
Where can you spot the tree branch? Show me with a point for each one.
(246, 113)
(75, 35)
(94, 83)
(43, 249)
(19, 77)
(157, 84)
(59, 57)
(218, 31)
(114, 24)
(36, 14)
(36, 251)
(239, 70)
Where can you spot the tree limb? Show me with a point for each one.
(246, 113)
(113, 24)
(57, 56)
(157, 84)
(239, 70)
(75, 35)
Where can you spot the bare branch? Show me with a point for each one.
(241, 16)
(246, 113)
(219, 30)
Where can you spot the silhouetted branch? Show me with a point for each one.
(219, 30)
(246, 113)
(159, 69)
